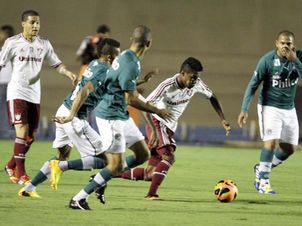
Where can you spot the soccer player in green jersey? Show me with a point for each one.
(78, 132)
(279, 71)
(112, 115)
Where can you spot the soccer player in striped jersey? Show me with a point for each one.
(279, 71)
(77, 131)
(26, 52)
(174, 93)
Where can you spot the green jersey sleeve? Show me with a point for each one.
(128, 77)
(253, 84)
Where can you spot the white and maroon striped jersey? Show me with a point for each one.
(170, 96)
(26, 59)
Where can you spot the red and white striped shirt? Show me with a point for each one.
(169, 95)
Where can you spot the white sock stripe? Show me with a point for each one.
(131, 174)
(265, 167)
(99, 179)
(19, 157)
(166, 162)
(158, 173)
(20, 141)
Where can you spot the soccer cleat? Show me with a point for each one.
(152, 197)
(266, 188)
(23, 180)
(12, 174)
(100, 193)
(55, 174)
(257, 176)
(24, 193)
(80, 205)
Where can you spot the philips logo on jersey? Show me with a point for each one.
(284, 84)
(28, 58)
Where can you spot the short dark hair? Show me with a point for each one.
(141, 35)
(192, 63)
(285, 33)
(103, 28)
(8, 29)
(28, 13)
(106, 46)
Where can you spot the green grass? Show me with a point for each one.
(187, 193)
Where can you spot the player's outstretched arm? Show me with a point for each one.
(136, 100)
(62, 70)
(147, 77)
(218, 108)
(76, 104)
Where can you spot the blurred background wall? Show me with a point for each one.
(228, 36)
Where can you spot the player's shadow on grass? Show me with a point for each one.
(270, 202)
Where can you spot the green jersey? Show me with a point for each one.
(121, 77)
(279, 77)
(95, 73)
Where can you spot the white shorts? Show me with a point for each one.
(123, 133)
(280, 124)
(79, 133)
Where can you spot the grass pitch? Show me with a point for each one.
(187, 193)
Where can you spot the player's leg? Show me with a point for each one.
(21, 114)
(114, 156)
(86, 140)
(289, 137)
(63, 144)
(140, 173)
(29, 190)
(270, 125)
(161, 170)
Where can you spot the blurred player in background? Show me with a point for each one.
(113, 117)
(6, 31)
(279, 71)
(88, 48)
(78, 132)
(174, 93)
(26, 52)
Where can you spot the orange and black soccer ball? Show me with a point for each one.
(225, 190)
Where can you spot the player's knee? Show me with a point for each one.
(169, 157)
(64, 152)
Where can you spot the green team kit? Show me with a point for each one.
(95, 73)
(121, 77)
(280, 78)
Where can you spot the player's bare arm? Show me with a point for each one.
(147, 77)
(218, 108)
(242, 118)
(62, 70)
(136, 100)
(76, 104)
(153, 139)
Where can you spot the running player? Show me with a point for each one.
(279, 71)
(174, 93)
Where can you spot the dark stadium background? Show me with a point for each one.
(228, 37)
